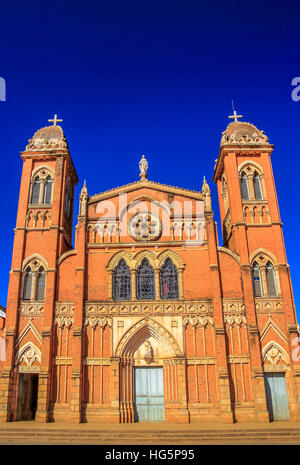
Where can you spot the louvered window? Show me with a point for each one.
(145, 283)
(256, 278)
(48, 191)
(36, 191)
(122, 282)
(27, 285)
(40, 285)
(271, 281)
(257, 187)
(244, 187)
(169, 280)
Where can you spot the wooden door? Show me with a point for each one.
(149, 394)
(276, 394)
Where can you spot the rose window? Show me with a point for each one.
(144, 226)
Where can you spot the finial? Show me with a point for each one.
(143, 165)
(235, 116)
(205, 187)
(55, 120)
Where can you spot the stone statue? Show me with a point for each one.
(143, 168)
(83, 198)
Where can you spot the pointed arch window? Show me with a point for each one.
(271, 280)
(244, 187)
(122, 281)
(40, 284)
(145, 283)
(27, 289)
(257, 187)
(35, 195)
(169, 280)
(256, 279)
(48, 190)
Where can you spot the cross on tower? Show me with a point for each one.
(234, 116)
(55, 120)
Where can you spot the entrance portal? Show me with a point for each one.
(27, 396)
(277, 401)
(149, 394)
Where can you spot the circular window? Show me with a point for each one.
(144, 226)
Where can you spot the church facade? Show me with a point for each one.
(148, 318)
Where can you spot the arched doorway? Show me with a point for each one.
(148, 355)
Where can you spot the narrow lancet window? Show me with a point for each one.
(244, 187)
(256, 278)
(40, 284)
(257, 187)
(48, 191)
(35, 195)
(271, 281)
(27, 284)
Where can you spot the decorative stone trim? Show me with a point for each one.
(238, 359)
(161, 307)
(96, 361)
(198, 320)
(201, 360)
(267, 305)
(31, 309)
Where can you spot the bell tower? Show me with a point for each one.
(252, 229)
(43, 232)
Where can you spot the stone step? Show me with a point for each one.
(34, 435)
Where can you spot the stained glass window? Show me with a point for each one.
(145, 282)
(169, 280)
(122, 281)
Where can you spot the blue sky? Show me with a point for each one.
(153, 77)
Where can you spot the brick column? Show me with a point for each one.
(221, 356)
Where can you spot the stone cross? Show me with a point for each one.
(235, 116)
(55, 120)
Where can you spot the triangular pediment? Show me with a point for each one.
(149, 185)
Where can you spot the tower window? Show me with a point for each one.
(35, 196)
(122, 282)
(256, 279)
(257, 187)
(48, 191)
(271, 281)
(145, 281)
(244, 187)
(40, 284)
(27, 289)
(169, 280)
